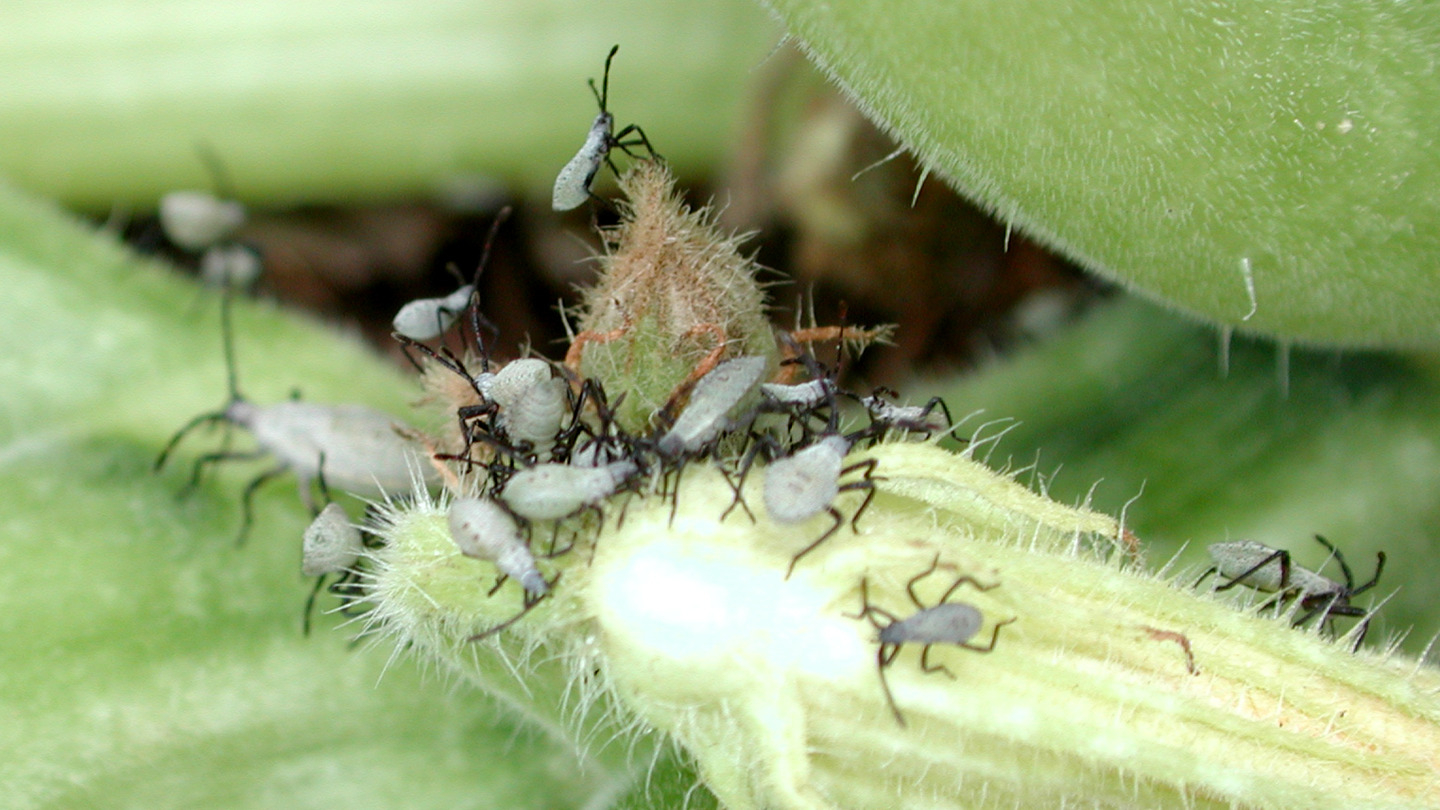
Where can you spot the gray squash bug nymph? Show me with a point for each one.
(942, 623)
(804, 396)
(806, 483)
(711, 400)
(572, 185)
(1270, 570)
(357, 449)
(886, 416)
(807, 400)
(555, 491)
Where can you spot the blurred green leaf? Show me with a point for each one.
(1267, 166)
(315, 102)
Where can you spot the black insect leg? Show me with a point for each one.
(247, 500)
(839, 521)
(910, 585)
(945, 409)
(976, 584)
(201, 463)
(884, 656)
(866, 483)
(1282, 555)
(1339, 558)
(1375, 580)
(618, 141)
(310, 606)
(739, 500)
(202, 419)
(675, 496)
(529, 603)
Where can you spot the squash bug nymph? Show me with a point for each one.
(942, 623)
(572, 185)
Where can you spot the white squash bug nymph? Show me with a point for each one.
(572, 185)
(942, 623)
(332, 545)
(196, 220)
(355, 448)
(484, 530)
(429, 318)
(230, 265)
(531, 403)
(200, 222)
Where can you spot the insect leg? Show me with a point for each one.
(961, 581)
(1280, 554)
(910, 586)
(993, 638)
(529, 604)
(762, 444)
(215, 458)
(926, 667)
(881, 662)
(1340, 558)
(945, 409)
(202, 419)
(500, 580)
(839, 521)
(866, 483)
(247, 500)
(310, 606)
(324, 487)
(501, 626)
(867, 610)
(617, 141)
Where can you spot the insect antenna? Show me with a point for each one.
(476, 319)
(603, 94)
(224, 186)
(227, 343)
(221, 415)
(1339, 558)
